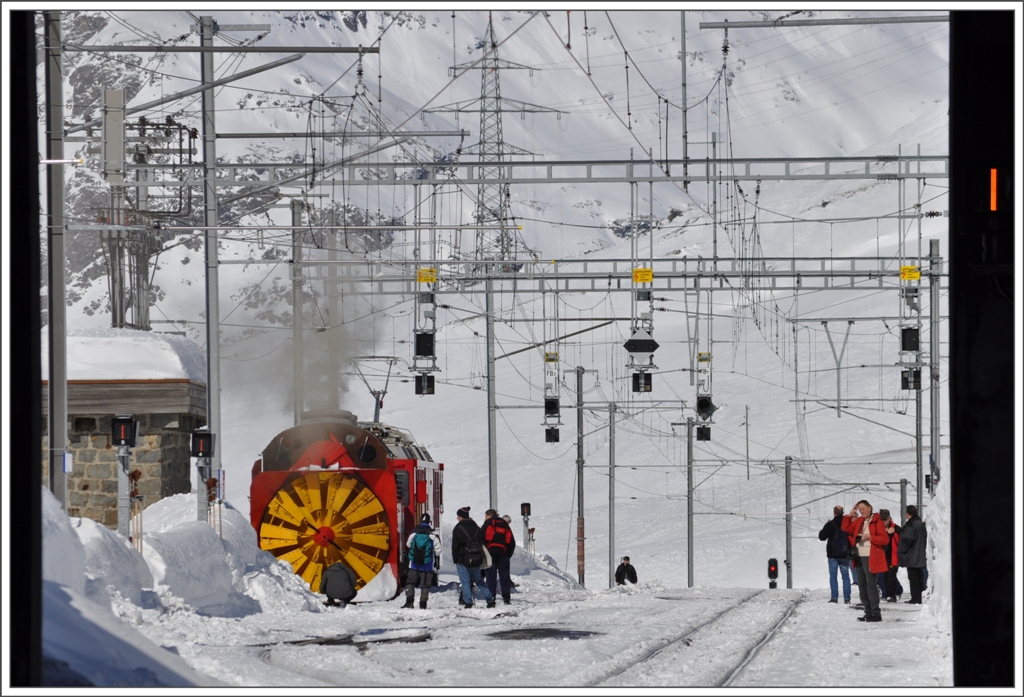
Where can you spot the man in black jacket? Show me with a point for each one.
(913, 553)
(838, 559)
(625, 572)
(467, 563)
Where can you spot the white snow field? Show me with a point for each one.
(222, 612)
(200, 610)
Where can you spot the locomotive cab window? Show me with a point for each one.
(402, 486)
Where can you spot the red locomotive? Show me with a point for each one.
(333, 488)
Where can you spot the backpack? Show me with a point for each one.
(498, 534)
(840, 544)
(474, 552)
(421, 553)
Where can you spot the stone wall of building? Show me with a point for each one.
(161, 455)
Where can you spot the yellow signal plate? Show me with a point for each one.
(704, 357)
(643, 275)
(910, 273)
(426, 275)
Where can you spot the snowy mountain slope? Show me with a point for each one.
(798, 92)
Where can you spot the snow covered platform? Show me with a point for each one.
(198, 609)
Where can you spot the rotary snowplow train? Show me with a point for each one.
(333, 488)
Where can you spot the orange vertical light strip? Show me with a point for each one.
(993, 176)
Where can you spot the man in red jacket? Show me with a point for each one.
(869, 537)
(497, 535)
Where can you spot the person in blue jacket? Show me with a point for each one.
(424, 561)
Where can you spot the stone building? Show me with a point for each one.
(167, 412)
(159, 380)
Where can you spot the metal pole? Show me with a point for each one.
(918, 439)
(686, 162)
(689, 502)
(611, 495)
(933, 359)
(526, 533)
(789, 522)
(903, 501)
(123, 500)
(580, 546)
(57, 388)
(211, 238)
(298, 362)
(202, 492)
(839, 363)
(714, 209)
(918, 417)
(492, 425)
(333, 317)
(746, 422)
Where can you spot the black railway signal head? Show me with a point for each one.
(202, 444)
(123, 430)
(773, 568)
(705, 407)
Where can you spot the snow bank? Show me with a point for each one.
(100, 354)
(83, 642)
(111, 564)
(533, 569)
(232, 577)
(937, 519)
(63, 555)
(540, 570)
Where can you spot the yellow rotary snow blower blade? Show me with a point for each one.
(319, 518)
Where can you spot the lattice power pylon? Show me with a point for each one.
(498, 241)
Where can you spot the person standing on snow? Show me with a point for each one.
(870, 539)
(511, 549)
(889, 583)
(467, 552)
(837, 550)
(625, 572)
(914, 553)
(424, 562)
(497, 535)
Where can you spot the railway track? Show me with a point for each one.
(712, 646)
(706, 654)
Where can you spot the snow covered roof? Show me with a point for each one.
(129, 354)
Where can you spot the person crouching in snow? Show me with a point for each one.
(338, 583)
(424, 562)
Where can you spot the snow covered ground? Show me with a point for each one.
(195, 609)
(198, 610)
